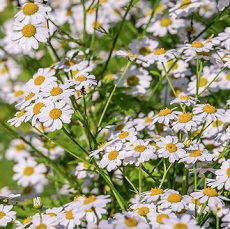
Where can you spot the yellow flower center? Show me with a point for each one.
(132, 80)
(37, 108)
(195, 153)
(96, 25)
(20, 147)
(131, 222)
(217, 123)
(69, 13)
(159, 8)
(211, 192)
(185, 3)
(165, 112)
(20, 114)
(197, 44)
(228, 76)
(203, 82)
(27, 220)
(89, 210)
(160, 218)
(28, 171)
(143, 211)
(184, 97)
(174, 198)
(196, 201)
(41, 226)
(55, 113)
(2, 214)
(209, 109)
(56, 91)
(39, 80)
(144, 50)
(123, 134)
(156, 191)
(172, 63)
(52, 214)
(90, 199)
(165, 22)
(69, 62)
(101, 145)
(29, 96)
(180, 226)
(4, 70)
(69, 215)
(108, 77)
(80, 78)
(228, 172)
(171, 148)
(159, 51)
(147, 120)
(30, 9)
(140, 148)
(185, 117)
(132, 55)
(18, 93)
(28, 30)
(113, 155)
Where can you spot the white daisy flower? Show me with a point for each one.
(112, 158)
(168, 147)
(54, 114)
(165, 25)
(43, 221)
(55, 91)
(129, 55)
(83, 170)
(28, 99)
(68, 218)
(209, 195)
(143, 121)
(27, 35)
(208, 112)
(153, 195)
(16, 94)
(19, 117)
(197, 153)
(53, 212)
(184, 8)
(184, 222)
(129, 220)
(145, 209)
(6, 215)
(222, 4)
(28, 172)
(82, 79)
(173, 200)
(222, 178)
(185, 99)
(41, 79)
(224, 37)
(32, 11)
(185, 122)
(165, 116)
(127, 134)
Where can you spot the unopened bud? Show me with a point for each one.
(187, 142)
(37, 203)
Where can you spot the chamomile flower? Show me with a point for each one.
(28, 172)
(68, 218)
(197, 47)
(173, 200)
(153, 195)
(184, 8)
(129, 55)
(32, 11)
(19, 117)
(27, 35)
(45, 221)
(129, 220)
(222, 176)
(145, 210)
(196, 153)
(165, 25)
(185, 99)
(55, 91)
(6, 214)
(82, 79)
(185, 122)
(209, 195)
(127, 134)
(208, 112)
(170, 148)
(54, 114)
(112, 158)
(184, 222)
(143, 122)
(165, 116)
(28, 99)
(41, 79)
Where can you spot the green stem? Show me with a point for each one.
(185, 182)
(111, 95)
(94, 32)
(84, 23)
(165, 173)
(198, 75)
(217, 222)
(140, 179)
(195, 176)
(129, 181)
(116, 37)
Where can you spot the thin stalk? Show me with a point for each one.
(185, 182)
(154, 89)
(165, 173)
(116, 37)
(84, 23)
(94, 32)
(111, 95)
(129, 181)
(140, 179)
(197, 75)
(217, 222)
